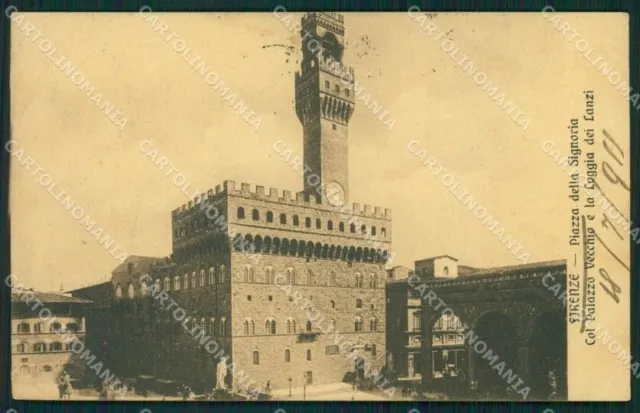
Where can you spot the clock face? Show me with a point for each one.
(335, 193)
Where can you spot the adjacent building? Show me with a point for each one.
(41, 339)
(403, 331)
(509, 308)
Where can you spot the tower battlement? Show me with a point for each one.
(259, 192)
(331, 20)
(344, 72)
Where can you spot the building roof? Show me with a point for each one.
(139, 265)
(437, 256)
(467, 270)
(47, 297)
(399, 266)
(137, 261)
(541, 265)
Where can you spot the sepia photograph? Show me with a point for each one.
(320, 206)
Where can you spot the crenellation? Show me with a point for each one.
(229, 186)
(300, 199)
(356, 208)
(218, 189)
(245, 188)
(387, 213)
(273, 194)
(367, 209)
(286, 196)
(260, 191)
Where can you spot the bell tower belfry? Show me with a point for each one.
(324, 105)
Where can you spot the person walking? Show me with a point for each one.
(66, 385)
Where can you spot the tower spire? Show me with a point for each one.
(324, 105)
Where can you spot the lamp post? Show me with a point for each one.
(304, 387)
(289, 387)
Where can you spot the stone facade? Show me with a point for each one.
(235, 245)
(41, 347)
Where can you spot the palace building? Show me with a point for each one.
(233, 243)
(42, 337)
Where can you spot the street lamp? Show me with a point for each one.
(304, 386)
(289, 387)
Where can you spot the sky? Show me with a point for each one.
(165, 101)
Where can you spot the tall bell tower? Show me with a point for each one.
(324, 105)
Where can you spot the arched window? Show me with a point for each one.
(373, 230)
(296, 220)
(40, 347)
(341, 227)
(332, 279)
(223, 326)
(307, 222)
(269, 275)
(157, 283)
(330, 225)
(309, 326)
(383, 232)
(247, 275)
(47, 368)
(193, 280)
(269, 216)
(24, 328)
(358, 280)
(212, 326)
(311, 278)
(176, 283)
(283, 219)
(55, 346)
(352, 228)
(290, 326)
(167, 284)
(373, 324)
(202, 273)
(131, 292)
(185, 282)
(333, 304)
(309, 355)
(290, 276)
(22, 348)
(357, 324)
(270, 326)
(318, 223)
(287, 356)
(212, 276)
(363, 229)
(55, 327)
(38, 328)
(240, 213)
(255, 215)
(373, 280)
(249, 327)
(144, 288)
(445, 271)
(256, 357)
(358, 303)
(223, 273)
(118, 291)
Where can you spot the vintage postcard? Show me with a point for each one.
(320, 206)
